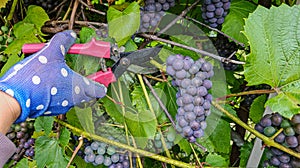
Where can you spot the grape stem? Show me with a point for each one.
(216, 30)
(75, 151)
(204, 53)
(268, 141)
(124, 146)
(159, 101)
(91, 9)
(251, 92)
(183, 13)
(11, 12)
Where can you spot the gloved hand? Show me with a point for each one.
(43, 84)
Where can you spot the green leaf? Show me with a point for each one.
(49, 153)
(235, 20)
(85, 117)
(274, 59)
(44, 123)
(185, 146)
(170, 93)
(25, 163)
(219, 135)
(12, 60)
(216, 160)
(86, 34)
(64, 137)
(186, 40)
(73, 119)
(37, 16)
(257, 108)
(123, 24)
(245, 153)
(141, 124)
(3, 3)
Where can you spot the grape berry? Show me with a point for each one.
(152, 13)
(193, 100)
(215, 11)
(269, 125)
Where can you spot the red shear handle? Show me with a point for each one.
(94, 48)
(104, 78)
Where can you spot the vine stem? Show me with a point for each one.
(153, 113)
(183, 13)
(268, 141)
(11, 12)
(251, 92)
(91, 9)
(124, 146)
(72, 18)
(214, 29)
(204, 53)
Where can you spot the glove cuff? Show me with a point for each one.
(21, 97)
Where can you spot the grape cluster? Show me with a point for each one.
(5, 40)
(152, 13)
(99, 153)
(156, 144)
(269, 125)
(20, 134)
(225, 49)
(47, 5)
(215, 11)
(193, 100)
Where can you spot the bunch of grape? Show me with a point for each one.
(20, 134)
(99, 153)
(269, 125)
(215, 11)
(225, 49)
(47, 5)
(5, 40)
(193, 100)
(157, 144)
(152, 13)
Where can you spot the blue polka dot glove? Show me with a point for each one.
(43, 84)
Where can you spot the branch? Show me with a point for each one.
(251, 92)
(267, 140)
(71, 22)
(91, 9)
(183, 13)
(222, 59)
(214, 29)
(124, 146)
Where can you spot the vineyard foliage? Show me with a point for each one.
(132, 115)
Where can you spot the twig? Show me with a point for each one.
(75, 151)
(214, 29)
(126, 147)
(72, 18)
(159, 101)
(245, 93)
(266, 140)
(82, 23)
(11, 12)
(183, 13)
(91, 9)
(204, 53)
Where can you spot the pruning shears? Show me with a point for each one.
(136, 61)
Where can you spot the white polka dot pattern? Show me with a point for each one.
(65, 103)
(77, 89)
(62, 49)
(28, 103)
(10, 92)
(40, 107)
(43, 59)
(53, 91)
(47, 112)
(64, 72)
(36, 80)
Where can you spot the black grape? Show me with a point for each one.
(193, 98)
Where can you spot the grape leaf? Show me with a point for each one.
(141, 124)
(64, 137)
(86, 34)
(25, 163)
(185, 146)
(273, 36)
(73, 119)
(216, 160)
(49, 153)
(37, 16)
(84, 115)
(245, 153)
(12, 60)
(3, 3)
(170, 93)
(234, 21)
(123, 24)
(44, 123)
(257, 108)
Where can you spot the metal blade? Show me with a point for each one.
(137, 61)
